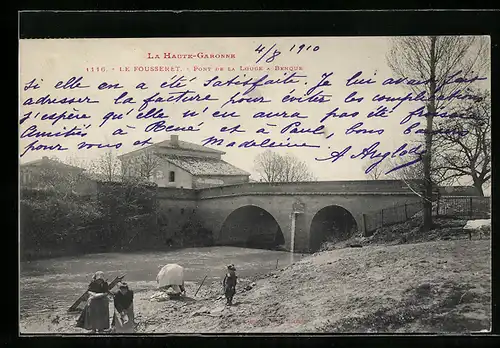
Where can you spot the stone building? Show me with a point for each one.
(180, 164)
(49, 173)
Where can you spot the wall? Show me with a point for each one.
(206, 181)
(161, 175)
(178, 219)
(182, 178)
(173, 215)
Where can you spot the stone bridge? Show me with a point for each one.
(299, 216)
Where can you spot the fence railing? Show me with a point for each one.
(390, 216)
(463, 206)
(448, 206)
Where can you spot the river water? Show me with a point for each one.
(54, 284)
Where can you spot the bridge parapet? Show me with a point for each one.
(176, 193)
(318, 187)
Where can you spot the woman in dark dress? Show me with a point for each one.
(123, 318)
(95, 315)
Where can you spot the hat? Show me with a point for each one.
(122, 285)
(231, 267)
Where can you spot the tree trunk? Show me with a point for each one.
(431, 109)
(479, 188)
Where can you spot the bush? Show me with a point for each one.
(66, 223)
(51, 221)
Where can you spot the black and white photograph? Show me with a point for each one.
(285, 185)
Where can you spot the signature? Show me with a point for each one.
(371, 152)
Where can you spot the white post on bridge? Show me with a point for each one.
(298, 208)
(292, 239)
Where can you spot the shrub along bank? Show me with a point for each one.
(119, 217)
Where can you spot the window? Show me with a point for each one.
(171, 177)
(159, 174)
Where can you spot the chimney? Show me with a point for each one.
(174, 140)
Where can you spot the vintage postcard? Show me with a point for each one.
(245, 185)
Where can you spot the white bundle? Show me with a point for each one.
(171, 274)
(477, 224)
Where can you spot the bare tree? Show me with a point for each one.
(78, 162)
(433, 64)
(376, 173)
(411, 176)
(108, 166)
(147, 163)
(141, 167)
(273, 167)
(467, 156)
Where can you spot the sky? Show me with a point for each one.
(51, 61)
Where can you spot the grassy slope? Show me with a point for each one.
(441, 286)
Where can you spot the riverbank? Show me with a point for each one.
(439, 286)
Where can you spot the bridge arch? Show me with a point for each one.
(253, 227)
(331, 222)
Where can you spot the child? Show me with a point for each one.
(229, 284)
(123, 318)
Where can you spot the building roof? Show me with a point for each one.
(178, 144)
(204, 166)
(46, 160)
(184, 145)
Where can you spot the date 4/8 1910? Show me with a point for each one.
(269, 57)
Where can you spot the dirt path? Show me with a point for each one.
(427, 287)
